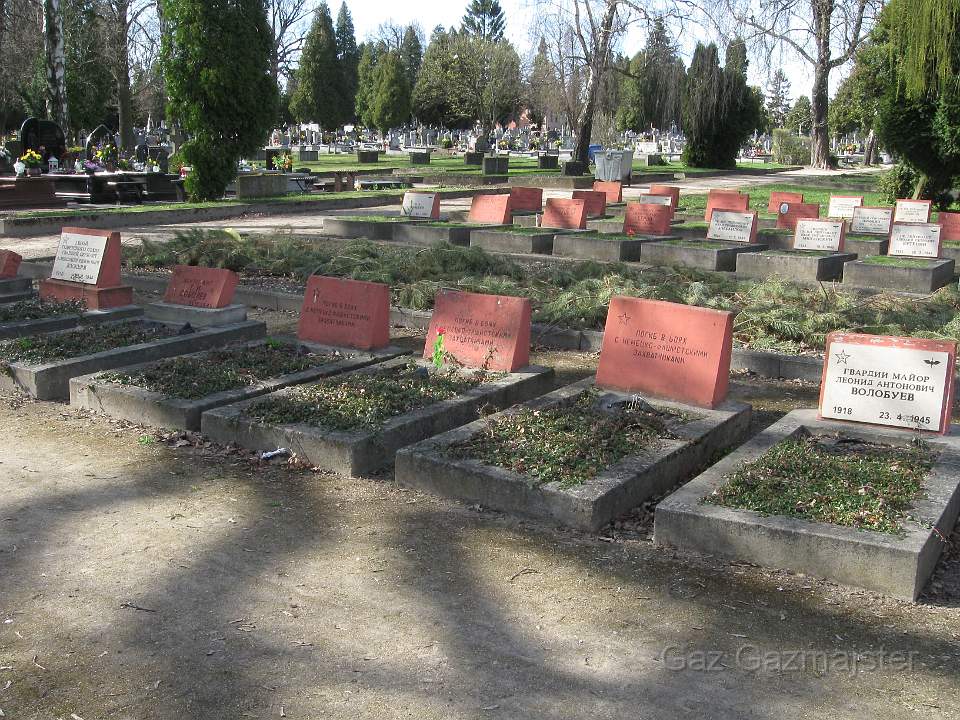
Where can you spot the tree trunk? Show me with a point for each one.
(921, 187)
(870, 149)
(601, 55)
(55, 64)
(124, 93)
(820, 95)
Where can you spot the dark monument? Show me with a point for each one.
(43, 136)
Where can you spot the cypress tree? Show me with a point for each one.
(348, 55)
(390, 104)
(412, 52)
(366, 84)
(216, 61)
(319, 94)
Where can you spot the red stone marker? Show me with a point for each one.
(482, 331)
(950, 222)
(201, 287)
(565, 214)
(789, 213)
(613, 189)
(87, 270)
(647, 219)
(726, 200)
(491, 210)
(9, 264)
(345, 313)
(526, 199)
(672, 351)
(669, 191)
(778, 198)
(596, 201)
(901, 382)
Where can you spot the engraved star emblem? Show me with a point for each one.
(624, 319)
(842, 357)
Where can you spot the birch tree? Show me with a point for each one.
(55, 65)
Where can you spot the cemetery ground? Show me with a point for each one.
(149, 574)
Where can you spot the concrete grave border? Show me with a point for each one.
(515, 243)
(602, 246)
(937, 274)
(51, 381)
(592, 505)
(23, 328)
(888, 564)
(797, 266)
(694, 254)
(354, 453)
(133, 403)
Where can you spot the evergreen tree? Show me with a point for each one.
(485, 19)
(800, 117)
(319, 94)
(411, 50)
(653, 86)
(366, 83)
(778, 98)
(348, 55)
(216, 60)
(542, 88)
(390, 103)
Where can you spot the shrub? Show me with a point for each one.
(790, 149)
(897, 182)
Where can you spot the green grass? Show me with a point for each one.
(191, 378)
(760, 197)
(893, 261)
(363, 401)
(519, 230)
(566, 445)
(852, 484)
(76, 343)
(374, 218)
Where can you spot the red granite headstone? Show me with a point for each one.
(613, 189)
(669, 191)
(87, 269)
(201, 287)
(778, 198)
(526, 199)
(564, 214)
(9, 264)
(345, 313)
(667, 350)
(647, 219)
(596, 201)
(726, 200)
(789, 213)
(491, 210)
(482, 331)
(950, 222)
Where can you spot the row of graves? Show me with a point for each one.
(896, 248)
(471, 419)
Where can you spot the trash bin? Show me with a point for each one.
(609, 164)
(593, 151)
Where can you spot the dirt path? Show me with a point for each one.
(139, 579)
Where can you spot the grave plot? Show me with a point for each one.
(655, 413)
(559, 216)
(493, 212)
(643, 223)
(43, 365)
(478, 350)
(337, 318)
(87, 270)
(853, 494)
(200, 296)
(373, 227)
(13, 288)
(817, 255)
(36, 316)
(729, 234)
(912, 262)
(869, 231)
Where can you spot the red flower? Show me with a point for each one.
(441, 331)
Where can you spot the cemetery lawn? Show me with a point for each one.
(851, 483)
(801, 253)
(36, 309)
(771, 315)
(86, 341)
(567, 445)
(192, 378)
(896, 261)
(760, 197)
(364, 401)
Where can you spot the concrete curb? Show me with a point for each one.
(722, 259)
(860, 274)
(8, 331)
(799, 267)
(889, 564)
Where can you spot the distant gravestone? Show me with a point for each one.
(656, 200)
(613, 189)
(777, 198)
(789, 213)
(482, 331)
(100, 137)
(43, 136)
(421, 205)
(666, 190)
(595, 201)
(871, 221)
(733, 226)
(564, 214)
(667, 350)
(726, 200)
(9, 264)
(345, 313)
(842, 206)
(894, 381)
(912, 211)
(491, 210)
(201, 287)
(821, 235)
(918, 240)
(526, 199)
(647, 219)
(950, 224)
